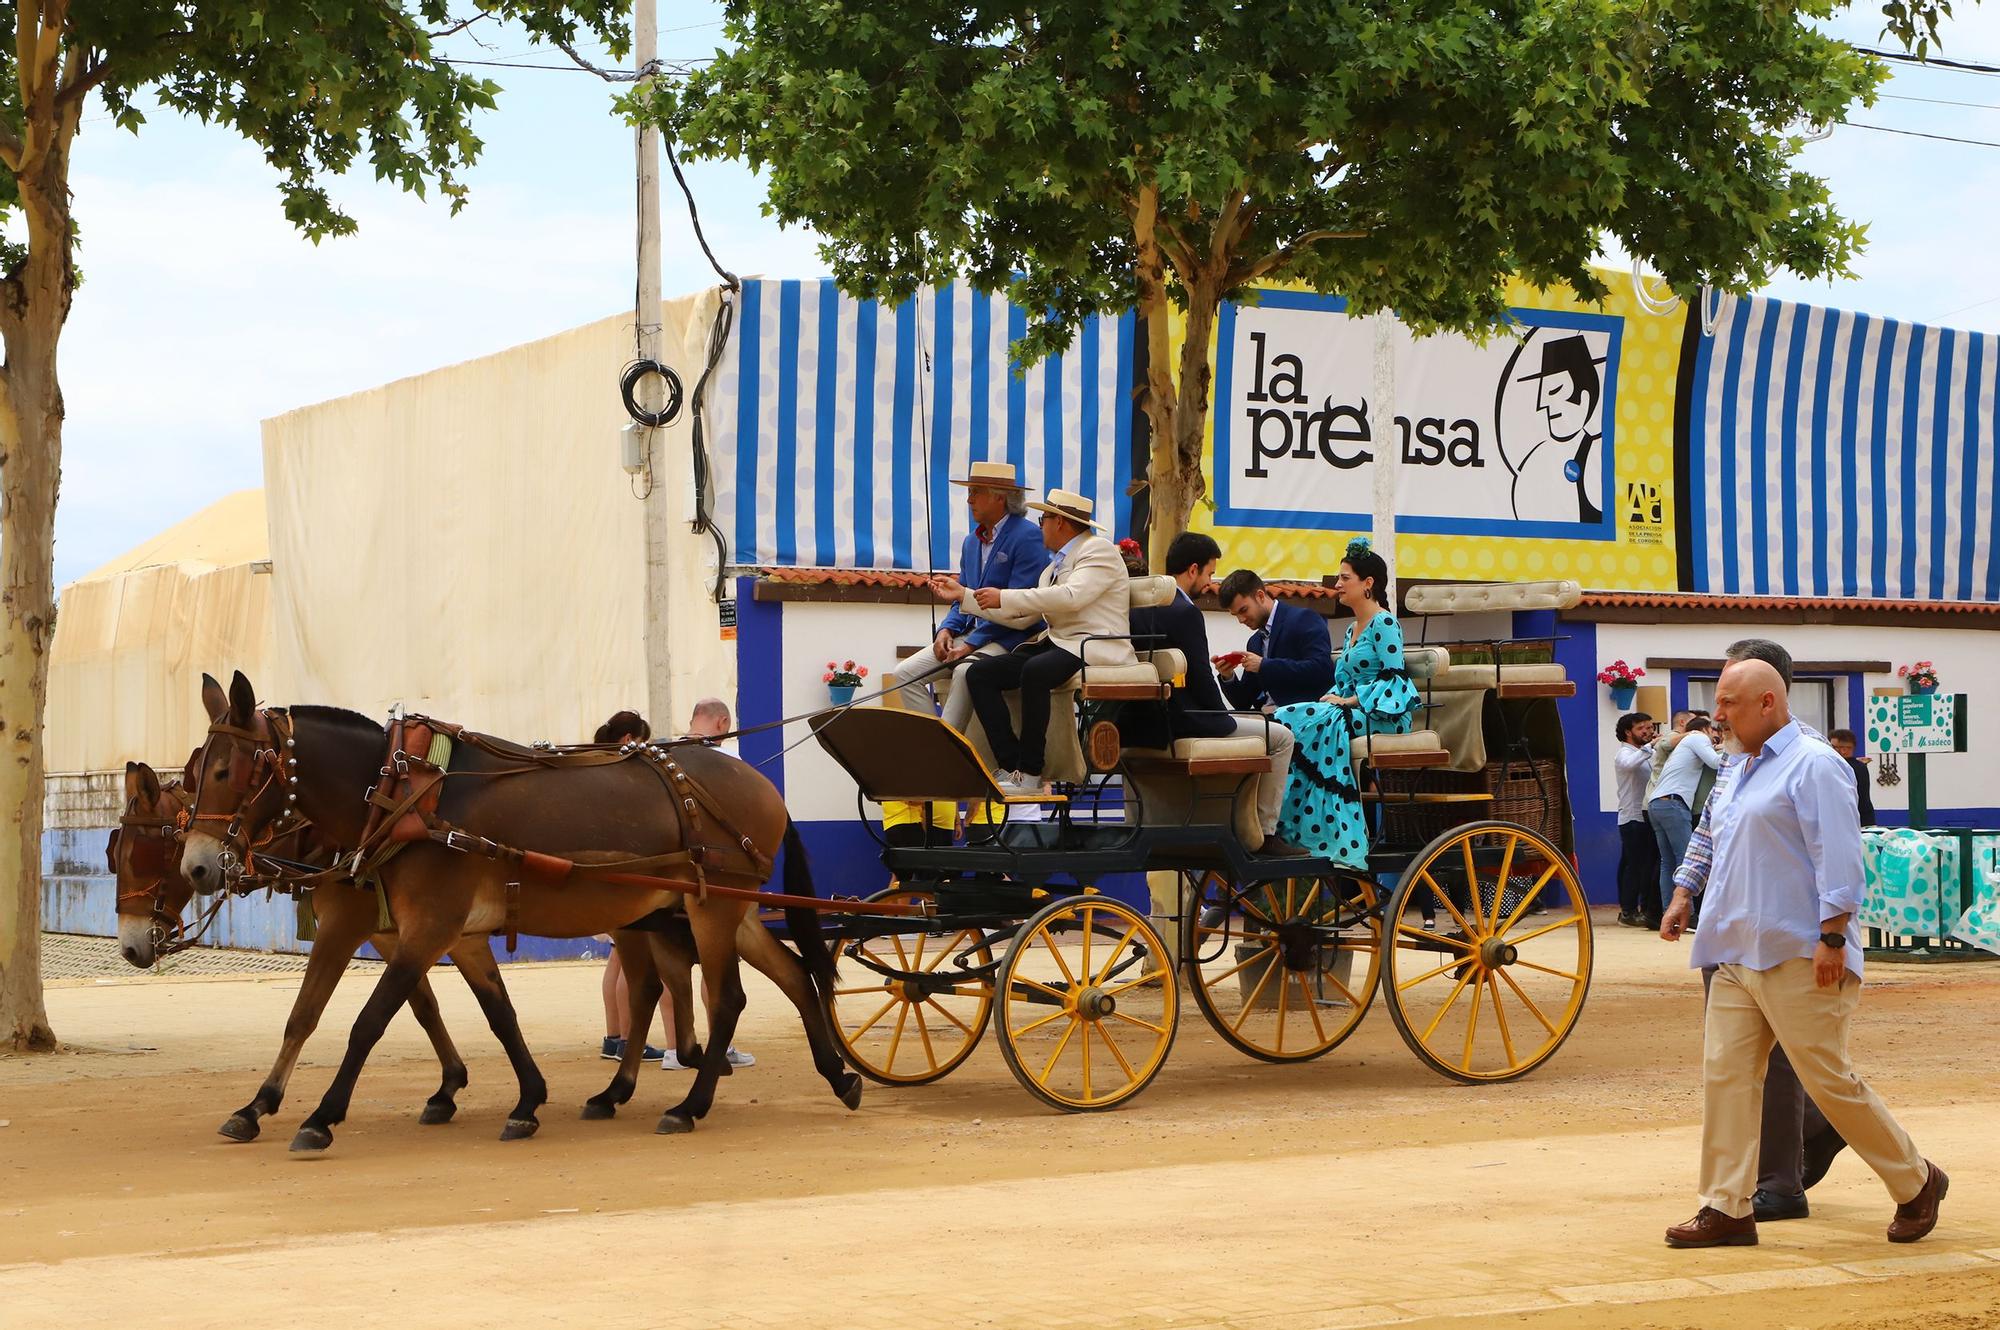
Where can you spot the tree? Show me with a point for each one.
(1100, 155)
(318, 85)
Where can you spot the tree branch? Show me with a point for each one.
(10, 150)
(1245, 274)
(76, 89)
(458, 27)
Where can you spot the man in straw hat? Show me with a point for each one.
(1002, 550)
(1084, 593)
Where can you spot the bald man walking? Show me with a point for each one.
(1777, 922)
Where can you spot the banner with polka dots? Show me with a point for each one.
(1545, 452)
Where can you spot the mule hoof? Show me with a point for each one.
(519, 1129)
(311, 1140)
(596, 1112)
(674, 1124)
(239, 1128)
(436, 1112)
(851, 1096)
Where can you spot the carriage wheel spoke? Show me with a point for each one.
(1500, 1019)
(1408, 984)
(1445, 897)
(872, 1020)
(896, 1039)
(1089, 922)
(902, 956)
(924, 1032)
(1522, 905)
(1312, 1006)
(1404, 930)
(1041, 987)
(1565, 922)
(1431, 1029)
(1527, 1001)
(856, 992)
(1506, 871)
(1048, 940)
(1134, 1020)
(1472, 882)
(1560, 974)
(1048, 1068)
(1284, 996)
(1472, 1027)
(948, 948)
(1250, 1003)
(1116, 1052)
(917, 957)
(1084, 1043)
(1039, 1023)
(1345, 992)
(1117, 951)
(1130, 984)
(1240, 966)
(945, 1012)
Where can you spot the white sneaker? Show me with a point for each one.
(738, 1058)
(670, 1061)
(1019, 783)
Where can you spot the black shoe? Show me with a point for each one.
(1277, 847)
(1650, 923)
(1821, 1150)
(1626, 919)
(1770, 1205)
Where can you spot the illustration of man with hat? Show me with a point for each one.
(1002, 550)
(1560, 477)
(1084, 593)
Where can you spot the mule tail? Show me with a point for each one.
(803, 923)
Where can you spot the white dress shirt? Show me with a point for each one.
(1633, 765)
(1787, 857)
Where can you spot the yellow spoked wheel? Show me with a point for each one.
(1283, 970)
(919, 1026)
(1087, 1004)
(1490, 959)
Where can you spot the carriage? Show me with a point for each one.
(1468, 921)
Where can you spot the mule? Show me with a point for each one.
(259, 766)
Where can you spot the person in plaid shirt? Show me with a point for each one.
(1798, 1144)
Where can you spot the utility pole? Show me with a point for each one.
(1387, 447)
(651, 343)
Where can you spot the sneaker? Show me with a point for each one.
(1020, 784)
(669, 1061)
(652, 1054)
(1626, 919)
(613, 1048)
(738, 1058)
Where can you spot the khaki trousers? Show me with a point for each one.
(1748, 1010)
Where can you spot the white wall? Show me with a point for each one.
(1968, 661)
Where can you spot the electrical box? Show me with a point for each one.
(633, 447)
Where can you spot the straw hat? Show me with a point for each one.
(1068, 504)
(992, 476)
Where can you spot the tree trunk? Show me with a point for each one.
(34, 304)
(1167, 502)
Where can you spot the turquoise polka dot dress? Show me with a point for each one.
(1322, 812)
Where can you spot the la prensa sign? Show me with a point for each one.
(1513, 438)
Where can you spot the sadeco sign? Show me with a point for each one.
(1513, 438)
(1917, 723)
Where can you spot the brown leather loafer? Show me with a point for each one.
(1919, 1215)
(1712, 1228)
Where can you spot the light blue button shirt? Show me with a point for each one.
(1787, 856)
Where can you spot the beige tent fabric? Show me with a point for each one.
(134, 638)
(465, 543)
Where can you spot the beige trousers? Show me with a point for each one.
(1749, 1009)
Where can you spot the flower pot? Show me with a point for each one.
(1922, 689)
(840, 693)
(1623, 695)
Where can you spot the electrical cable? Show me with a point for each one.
(1931, 62)
(1919, 134)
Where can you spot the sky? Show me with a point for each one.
(203, 312)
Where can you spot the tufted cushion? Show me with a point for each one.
(1472, 598)
(1426, 662)
(1154, 590)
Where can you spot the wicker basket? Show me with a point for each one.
(1527, 792)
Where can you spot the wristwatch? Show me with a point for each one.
(1835, 940)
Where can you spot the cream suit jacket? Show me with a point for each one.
(1089, 595)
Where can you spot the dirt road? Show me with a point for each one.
(1358, 1190)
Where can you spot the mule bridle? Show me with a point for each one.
(169, 933)
(264, 758)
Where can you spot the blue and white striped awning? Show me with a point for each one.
(838, 423)
(1835, 454)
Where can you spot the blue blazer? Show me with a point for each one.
(1298, 661)
(1015, 560)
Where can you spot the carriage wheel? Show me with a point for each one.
(1283, 970)
(1087, 1004)
(907, 1032)
(1489, 991)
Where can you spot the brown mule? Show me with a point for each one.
(153, 896)
(259, 765)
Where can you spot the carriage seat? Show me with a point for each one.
(1478, 597)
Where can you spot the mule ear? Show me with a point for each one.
(213, 698)
(242, 699)
(141, 784)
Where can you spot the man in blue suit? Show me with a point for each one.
(1004, 550)
(1290, 655)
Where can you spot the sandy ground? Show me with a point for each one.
(1358, 1190)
